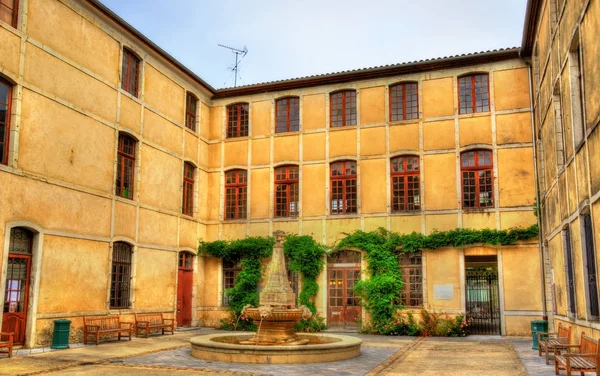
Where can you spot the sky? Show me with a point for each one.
(288, 39)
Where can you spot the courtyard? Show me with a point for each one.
(380, 355)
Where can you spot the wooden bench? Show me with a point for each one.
(8, 343)
(553, 342)
(585, 360)
(152, 321)
(97, 325)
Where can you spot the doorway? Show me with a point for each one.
(184, 289)
(482, 294)
(18, 277)
(343, 308)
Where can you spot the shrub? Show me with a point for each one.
(313, 325)
(237, 322)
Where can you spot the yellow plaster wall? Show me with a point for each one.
(342, 143)
(157, 228)
(590, 28)
(130, 114)
(314, 229)
(286, 148)
(313, 200)
(404, 137)
(261, 151)
(578, 268)
(191, 146)
(405, 224)
(438, 135)
(373, 191)
(211, 280)
(443, 269)
(521, 294)
(232, 231)
(125, 219)
(519, 325)
(313, 146)
(10, 47)
(438, 98)
(475, 130)
(372, 141)
(216, 123)
(236, 153)
(188, 233)
(214, 155)
(440, 181)
(290, 227)
(213, 184)
(555, 251)
(479, 220)
(440, 222)
(594, 151)
(78, 260)
(153, 266)
(259, 198)
(313, 111)
(261, 118)
(336, 227)
(512, 128)
(511, 89)
(163, 94)
(372, 105)
(162, 132)
(161, 177)
(517, 219)
(374, 223)
(515, 177)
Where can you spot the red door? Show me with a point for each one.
(343, 308)
(184, 289)
(16, 296)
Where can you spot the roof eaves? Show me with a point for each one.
(531, 16)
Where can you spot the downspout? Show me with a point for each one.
(537, 193)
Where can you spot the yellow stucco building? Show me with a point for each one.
(117, 160)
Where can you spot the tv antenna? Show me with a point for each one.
(237, 53)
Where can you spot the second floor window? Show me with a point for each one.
(125, 166)
(477, 179)
(412, 275)
(191, 106)
(405, 183)
(5, 99)
(130, 75)
(235, 194)
(188, 189)
(237, 120)
(404, 104)
(120, 275)
(286, 191)
(288, 115)
(474, 94)
(343, 187)
(343, 108)
(8, 11)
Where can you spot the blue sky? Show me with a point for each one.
(288, 39)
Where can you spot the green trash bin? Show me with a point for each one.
(60, 338)
(538, 326)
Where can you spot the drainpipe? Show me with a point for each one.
(537, 192)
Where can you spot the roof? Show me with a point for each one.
(531, 16)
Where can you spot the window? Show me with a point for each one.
(404, 104)
(18, 271)
(9, 11)
(590, 266)
(288, 115)
(237, 120)
(120, 275)
(186, 261)
(405, 183)
(125, 166)
(477, 181)
(343, 187)
(343, 108)
(191, 106)
(292, 277)
(577, 100)
(231, 269)
(412, 275)
(570, 271)
(235, 194)
(286, 191)
(130, 75)
(474, 94)
(5, 101)
(188, 188)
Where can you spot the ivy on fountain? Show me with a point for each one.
(381, 290)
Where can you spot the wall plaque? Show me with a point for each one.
(443, 292)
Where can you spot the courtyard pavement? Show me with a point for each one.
(380, 355)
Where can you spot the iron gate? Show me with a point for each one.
(483, 303)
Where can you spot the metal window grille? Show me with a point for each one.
(406, 194)
(287, 195)
(343, 187)
(5, 102)
(125, 166)
(231, 269)
(188, 189)
(477, 179)
(191, 107)
(570, 271)
(235, 194)
(288, 115)
(411, 266)
(592, 283)
(237, 120)
(121, 275)
(474, 94)
(130, 75)
(9, 12)
(343, 108)
(404, 103)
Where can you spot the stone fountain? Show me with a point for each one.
(275, 341)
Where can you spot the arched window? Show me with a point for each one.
(287, 193)
(5, 101)
(188, 188)
(477, 179)
(288, 115)
(404, 103)
(237, 120)
(405, 183)
(125, 166)
(474, 93)
(235, 194)
(9, 12)
(343, 108)
(186, 261)
(191, 108)
(120, 275)
(343, 187)
(130, 75)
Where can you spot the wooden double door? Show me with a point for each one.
(343, 308)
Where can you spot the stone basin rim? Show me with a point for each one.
(344, 342)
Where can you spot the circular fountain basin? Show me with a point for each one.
(320, 348)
